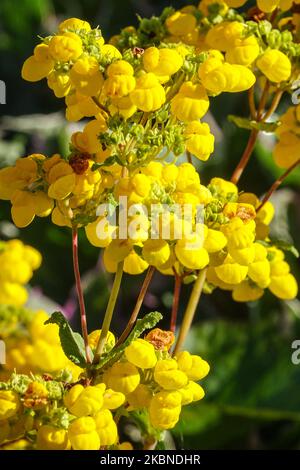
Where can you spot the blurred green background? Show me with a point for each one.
(253, 398)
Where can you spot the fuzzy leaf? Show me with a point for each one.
(71, 342)
(143, 324)
(245, 123)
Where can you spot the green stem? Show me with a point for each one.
(109, 312)
(190, 310)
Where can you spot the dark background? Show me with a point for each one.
(253, 398)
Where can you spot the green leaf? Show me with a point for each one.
(281, 245)
(108, 162)
(143, 324)
(286, 246)
(71, 342)
(245, 123)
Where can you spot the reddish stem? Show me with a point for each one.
(176, 297)
(245, 157)
(80, 294)
(138, 305)
(277, 183)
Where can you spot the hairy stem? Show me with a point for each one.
(277, 183)
(190, 310)
(260, 117)
(80, 294)
(176, 297)
(274, 104)
(109, 312)
(138, 305)
(245, 157)
(252, 102)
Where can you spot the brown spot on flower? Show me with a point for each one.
(246, 213)
(160, 339)
(138, 51)
(35, 396)
(255, 14)
(47, 377)
(80, 162)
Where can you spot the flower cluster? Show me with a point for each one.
(221, 231)
(286, 150)
(152, 379)
(40, 186)
(145, 95)
(32, 346)
(49, 413)
(18, 261)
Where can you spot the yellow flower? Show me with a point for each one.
(286, 151)
(83, 435)
(224, 188)
(65, 47)
(223, 35)
(60, 83)
(12, 294)
(141, 353)
(134, 264)
(82, 401)
(244, 51)
(190, 252)
(140, 397)
(148, 94)
(231, 272)
(111, 52)
(48, 357)
(267, 6)
(191, 392)
(200, 142)
(156, 252)
(162, 62)
(34, 70)
(275, 65)
(214, 241)
(180, 23)
(164, 410)
(244, 256)
(9, 404)
(106, 428)
(86, 77)
(168, 376)
(52, 438)
(91, 132)
(74, 24)
(123, 106)
(246, 292)
(218, 77)
(120, 81)
(284, 287)
(122, 377)
(99, 233)
(112, 400)
(193, 366)
(190, 103)
(259, 271)
(238, 234)
(118, 250)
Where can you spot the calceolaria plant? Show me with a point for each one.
(143, 96)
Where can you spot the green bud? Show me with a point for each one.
(274, 39)
(286, 36)
(264, 27)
